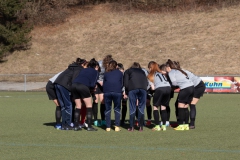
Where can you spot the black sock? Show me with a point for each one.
(176, 110)
(168, 112)
(149, 112)
(124, 112)
(193, 113)
(58, 114)
(186, 115)
(102, 110)
(164, 116)
(181, 115)
(95, 111)
(89, 117)
(156, 116)
(77, 117)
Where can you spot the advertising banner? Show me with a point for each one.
(223, 84)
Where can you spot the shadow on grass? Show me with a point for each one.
(50, 124)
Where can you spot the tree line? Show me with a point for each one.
(18, 17)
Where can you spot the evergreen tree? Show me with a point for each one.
(14, 32)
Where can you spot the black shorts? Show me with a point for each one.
(161, 96)
(199, 90)
(172, 93)
(149, 94)
(51, 91)
(186, 95)
(99, 89)
(80, 91)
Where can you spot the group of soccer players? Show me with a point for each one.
(77, 91)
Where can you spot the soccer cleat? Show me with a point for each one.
(67, 127)
(91, 129)
(164, 127)
(84, 125)
(103, 123)
(96, 123)
(156, 128)
(77, 128)
(180, 128)
(140, 129)
(117, 129)
(58, 126)
(148, 123)
(108, 129)
(191, 127)
(186, 127)
(131, 129)
(167, 124)
(160, 124)
(136, 123)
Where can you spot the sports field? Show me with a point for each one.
(27, 132)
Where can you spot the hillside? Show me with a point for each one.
(206, 43)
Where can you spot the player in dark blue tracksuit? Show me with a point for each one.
(135, 83)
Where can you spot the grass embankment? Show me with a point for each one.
(206, 43)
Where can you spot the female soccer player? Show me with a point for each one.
(63, 89)
(135, 83)
(82, 87)
(112, 89)
(180, 78)
(168, 109)
(124, 100)
(51, 92)
(161, 96)
(199, 88)
(99, 92)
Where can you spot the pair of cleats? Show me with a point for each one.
(167, 124)
(58, 127)
(182, 127)
(67, 127)
(78, 128)
(117, 129)
(158, 128)
(99, 124)
(148, 123)
(91, 129)
(84, 125)
(131, 129)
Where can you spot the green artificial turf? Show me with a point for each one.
(27, 132)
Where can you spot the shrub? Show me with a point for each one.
(14, 31)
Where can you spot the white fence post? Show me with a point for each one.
(25, 82)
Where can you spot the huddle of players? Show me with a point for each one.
(79, 81)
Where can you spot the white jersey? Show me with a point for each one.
(54, 77)
(160, 80)
(179, 79)
(101, 74)
(146, 73)
(195, 79)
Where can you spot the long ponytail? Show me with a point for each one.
(175, 65)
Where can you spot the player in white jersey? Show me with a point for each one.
(51, 92)
(164, 72)
(180, 78)
(199, 88)
(161, 97)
